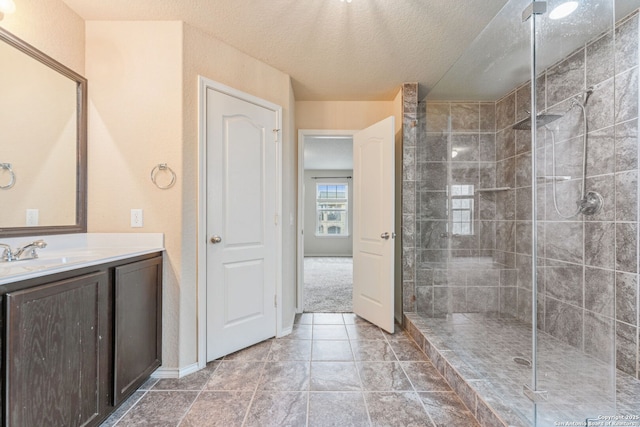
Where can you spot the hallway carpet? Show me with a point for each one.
(328, 284)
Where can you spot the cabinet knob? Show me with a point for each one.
(216, 239)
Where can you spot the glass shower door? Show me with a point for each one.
(574, 57)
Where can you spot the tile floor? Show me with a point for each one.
(333, 370)
(482, 349)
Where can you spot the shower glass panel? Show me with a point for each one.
(473, 284)
(526, 279)
(574, 351)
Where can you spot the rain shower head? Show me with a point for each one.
(541, 120)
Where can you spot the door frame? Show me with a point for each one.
(302, 134)
(201, 281)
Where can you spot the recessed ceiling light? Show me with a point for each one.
(7, 6)
(348, 1)
(563, 10)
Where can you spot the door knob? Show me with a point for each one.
(386, 235)
(216, 239)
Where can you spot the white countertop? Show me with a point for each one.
(66, 252)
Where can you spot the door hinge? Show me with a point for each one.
(275, 301)
(535, 8)
(536, 396)
(275, 134)
(275, 219)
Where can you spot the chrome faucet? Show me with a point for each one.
(8, 255)
(38, 244)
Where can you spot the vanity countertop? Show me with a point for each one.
(66, 252)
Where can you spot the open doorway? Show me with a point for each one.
(325, 206)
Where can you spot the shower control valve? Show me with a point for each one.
(591, 204)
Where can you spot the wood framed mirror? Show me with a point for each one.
(43, 143)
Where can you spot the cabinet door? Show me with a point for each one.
(57, 353)
(138, 322)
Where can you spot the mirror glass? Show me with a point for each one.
(42, 143)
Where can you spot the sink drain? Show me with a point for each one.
(522, 361)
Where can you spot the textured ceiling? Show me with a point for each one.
(332, 50)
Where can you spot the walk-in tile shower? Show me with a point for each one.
(520, 244)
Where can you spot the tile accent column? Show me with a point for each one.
(409, 138)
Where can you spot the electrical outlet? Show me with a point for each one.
(136, 218)
(32, 217)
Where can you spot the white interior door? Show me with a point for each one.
(241, 222)
(373, 234)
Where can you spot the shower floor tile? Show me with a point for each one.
(492, 355)
(336, 369)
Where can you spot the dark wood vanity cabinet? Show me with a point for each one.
(76, 344)
(138, 320)
(57, 355)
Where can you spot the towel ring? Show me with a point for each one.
(12, 176)
(163, 167)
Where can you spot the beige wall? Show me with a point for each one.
(290, 205)
(135, 122)
(52, 27)
(351, 115)
(144, 111)
(210, 58)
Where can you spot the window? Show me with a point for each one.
(462, 210)
(331, 210)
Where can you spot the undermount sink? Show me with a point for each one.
(50, 261)
(26, 265)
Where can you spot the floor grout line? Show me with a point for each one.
(194, 400)
(255, 391)
(130, 408)
(310, 374)
(363, 343)
(362, 387)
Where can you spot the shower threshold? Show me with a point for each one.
(484, 358)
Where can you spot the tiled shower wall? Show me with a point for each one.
(473, 285)
(587, 266)
(588, 285)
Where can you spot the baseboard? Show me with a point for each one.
(175, 372)
(286, 331)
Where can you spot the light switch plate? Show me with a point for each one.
(136, 218)
(33, 217)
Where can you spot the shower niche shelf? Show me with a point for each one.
(491, 190)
